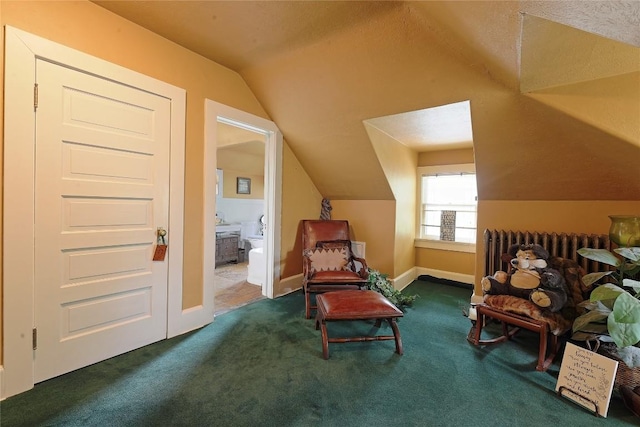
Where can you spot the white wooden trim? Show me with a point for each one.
(21, 51)
(273, 188)
(1, 383)
(456, 168)
(18, 227)
(445, 246)
(178, 320)
(421, 242)
(405, 279)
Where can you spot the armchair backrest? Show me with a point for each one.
(314, 231)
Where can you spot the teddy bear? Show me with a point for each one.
(531, 278)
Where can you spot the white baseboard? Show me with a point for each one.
(293, 283)
(2, 396)
(405, 279)
(289, 284)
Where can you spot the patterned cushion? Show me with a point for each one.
(334, 259)
(335, 244)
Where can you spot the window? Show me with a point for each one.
(448, 201)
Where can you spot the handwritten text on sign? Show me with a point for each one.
(587, 378)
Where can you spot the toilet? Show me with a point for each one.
(257, 266)
(256, 241)
(257, 263)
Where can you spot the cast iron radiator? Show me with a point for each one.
(564, 245)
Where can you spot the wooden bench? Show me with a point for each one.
(356, 305)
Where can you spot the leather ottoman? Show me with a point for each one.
(356, 305)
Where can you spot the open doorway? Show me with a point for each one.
(243, 157)
(239, 265)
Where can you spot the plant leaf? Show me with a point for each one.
(632, 284)
(607, 291)
(630, 253)
(600, 307)
(600, 329)
(630, 356)
(596, 305)
(585, 321)
(624, 334)
(626, 309)
(583, 336)
(591, 278)
(600, 255)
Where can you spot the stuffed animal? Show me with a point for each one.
(531, 278)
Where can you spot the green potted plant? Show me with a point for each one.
(613, 310)
(380, 283)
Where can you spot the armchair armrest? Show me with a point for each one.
(363, 271)
(306, 268)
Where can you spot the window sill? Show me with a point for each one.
(445, 246)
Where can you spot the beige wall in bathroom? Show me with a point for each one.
(230, 185)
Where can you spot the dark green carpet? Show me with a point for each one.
(262, 365)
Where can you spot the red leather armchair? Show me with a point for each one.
(328, 263)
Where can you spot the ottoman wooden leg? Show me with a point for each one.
(325, 339)
(307, 304)
(396, 334)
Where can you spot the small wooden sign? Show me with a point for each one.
(587, 378)
(159, 254)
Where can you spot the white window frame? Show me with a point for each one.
(439, 244)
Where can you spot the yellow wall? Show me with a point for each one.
(300, 200)
(1, 198)
(446, 157)
(399, 165)
(236, 163)
(609, 103)
(449, 261)
(373, 222)
(518, 139)
(229, 182)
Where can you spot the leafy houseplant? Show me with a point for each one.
(613, 309)
(380, 283)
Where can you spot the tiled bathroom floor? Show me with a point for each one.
(232, 289)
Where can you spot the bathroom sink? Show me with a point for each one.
(227, 227)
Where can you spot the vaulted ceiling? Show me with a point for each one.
(321, 68)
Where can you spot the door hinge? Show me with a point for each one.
(35, 338)
(35, 96)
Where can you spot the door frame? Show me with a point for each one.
(22, 49)
(215, 112)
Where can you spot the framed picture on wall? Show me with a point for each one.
(243, 186)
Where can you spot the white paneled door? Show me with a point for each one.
(102, 190)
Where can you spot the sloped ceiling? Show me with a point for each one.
(322, 68)
(240, 150)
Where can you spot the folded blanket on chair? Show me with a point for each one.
(558, 325)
